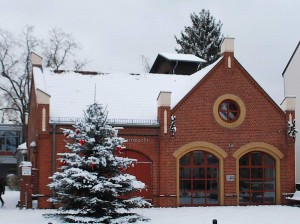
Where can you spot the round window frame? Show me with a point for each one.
(241, 106)
(228, 102)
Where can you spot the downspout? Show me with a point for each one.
(175, 67)
(53, 153)
(53, 147)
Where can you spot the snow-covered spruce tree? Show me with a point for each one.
(92, 184)
(203, 38)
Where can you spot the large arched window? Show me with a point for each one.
(199, 179)
(257, 178)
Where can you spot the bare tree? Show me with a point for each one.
(16, 72)
(145, 63)
(16, 68)
(61, 47)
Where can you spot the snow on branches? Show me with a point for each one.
(92, 177)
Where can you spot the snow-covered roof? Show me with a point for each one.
(181, 57)
(127, 96)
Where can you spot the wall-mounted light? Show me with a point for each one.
(33, 146)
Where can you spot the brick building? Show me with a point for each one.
(230, 147)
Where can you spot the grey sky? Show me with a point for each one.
(115, 33)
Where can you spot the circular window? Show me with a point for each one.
(229, 110)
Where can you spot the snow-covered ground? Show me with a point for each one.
(197, 215)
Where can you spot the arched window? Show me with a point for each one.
(257, 179)
(199, 179)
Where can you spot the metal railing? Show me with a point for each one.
(113, 121)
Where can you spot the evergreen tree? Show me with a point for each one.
(92, 185)
(203, 38)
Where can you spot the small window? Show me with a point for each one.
(229, 111)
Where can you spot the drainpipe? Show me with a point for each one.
(53, 147)
(175, 67)
(53, 153)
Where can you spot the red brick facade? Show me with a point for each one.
(263, 128)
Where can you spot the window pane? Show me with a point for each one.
(2, 144)
(185, 172)
(198, 172)
(224, 106)
(212, 160)
(212, 198)
(268, 160)
(198, 185)
(269, 186)
(223, 115)
(186, 159)
(198, 157)
(11, 143)
(244, 161)
(233, 115)
(185, 198)
(244, 197)
(244, 185)
(212, 185)
(199, 198)
(256, 185)
(269, 197)
(244, 173)
(256, 158)
(185, 185)
(233, 106)
(256, 173)
(269, 173)
(257, 197)
(212, 173)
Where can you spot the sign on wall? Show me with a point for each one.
(26, 171)
(230, 178)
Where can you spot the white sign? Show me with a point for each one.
(26, 171)
(230, 177)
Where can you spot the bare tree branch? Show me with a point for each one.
(61, 47)
(16, 68)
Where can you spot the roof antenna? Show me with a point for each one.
(95, 93)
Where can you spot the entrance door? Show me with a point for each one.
(199, 179)
(257, 179)
(142, 170)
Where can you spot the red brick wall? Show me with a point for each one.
(264, 122)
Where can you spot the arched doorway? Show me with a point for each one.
(199, 179)
(142, 170)
(257, 179)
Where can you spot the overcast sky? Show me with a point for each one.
(116, 33)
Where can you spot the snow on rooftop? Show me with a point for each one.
(181, 57)
(126, 96)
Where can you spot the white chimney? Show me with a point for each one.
(164, 99)
(36, 60)
(227, 45)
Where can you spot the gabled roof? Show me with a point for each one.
(290, 59)
(182, 57)
(127, 96)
